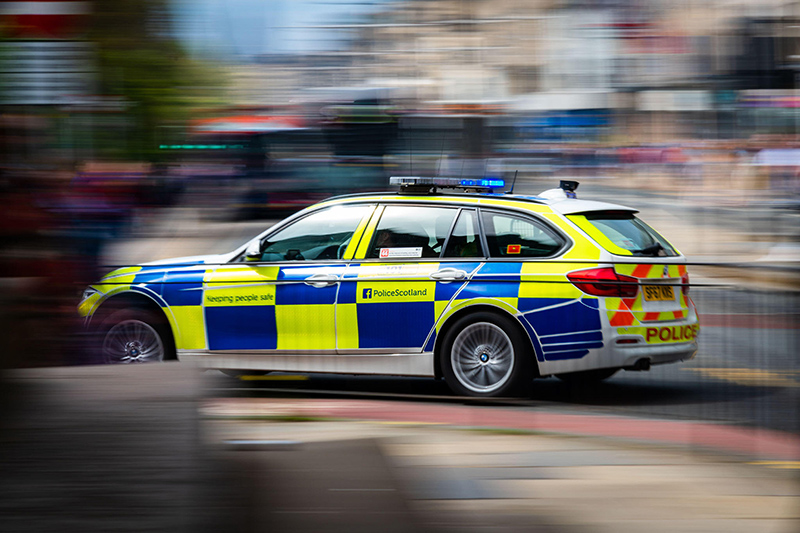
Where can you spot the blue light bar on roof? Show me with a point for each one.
(484, 183)
(447, 183)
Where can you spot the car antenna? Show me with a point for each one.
(441, 155)
(511, 190)
(411, 156)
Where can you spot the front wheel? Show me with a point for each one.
(131, 336)
(485, 355)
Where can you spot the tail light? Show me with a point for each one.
(685, 284)
(604, 282)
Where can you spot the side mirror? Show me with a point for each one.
(253, 252)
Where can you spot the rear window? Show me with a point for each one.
(514, 236)
(620, 232)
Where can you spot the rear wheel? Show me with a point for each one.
(130, 336)
(484, 355)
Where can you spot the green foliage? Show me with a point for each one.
(140, 60)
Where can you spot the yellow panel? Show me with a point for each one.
(395, 291)
(511, 304)
(509, 202)
(439, 307)
(118, 279)
(190, 327)
(247, 295)
(347, 326)
(548, 287)
(316, 318)
(86, 307)
(552, 267)
(241, 274)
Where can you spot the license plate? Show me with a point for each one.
(658, 293)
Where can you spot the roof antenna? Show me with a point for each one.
(511, 190)
(411, 156)
(441, 156)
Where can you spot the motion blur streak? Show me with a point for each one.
(136, 130)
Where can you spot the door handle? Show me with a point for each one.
(321, 280)
(448, 274)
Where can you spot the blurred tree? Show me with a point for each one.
(141, 60)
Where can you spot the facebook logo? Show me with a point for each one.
(366, 294)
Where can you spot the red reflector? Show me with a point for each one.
(604, 282)
(685, 283)
(627, 341)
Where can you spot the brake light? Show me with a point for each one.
(685, 284)
(604, 282)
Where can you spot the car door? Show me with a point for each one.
(284, 300)
(399, 284)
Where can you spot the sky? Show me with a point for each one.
(244, 28)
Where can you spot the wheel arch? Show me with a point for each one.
(128, 300)
(470, 309)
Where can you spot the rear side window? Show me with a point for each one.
(514, 236)
(411, 231)
(625, 232)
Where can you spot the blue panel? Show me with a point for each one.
(445, 291)
(529, 304)
(532, 335)
(430, 343)
(241, 328)
(577, 354)
(564, 319)
(394, 325)
(300, 293)
(347, 292)
(490, 289)
(149, 275)
(594, 303)
(507, 271)
(550, 351)
(184, 288)
(579, 337)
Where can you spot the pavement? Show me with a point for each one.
(144, 448)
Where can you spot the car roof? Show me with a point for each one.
(564, 206)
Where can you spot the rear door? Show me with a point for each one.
(398, 285)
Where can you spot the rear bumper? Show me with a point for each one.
(656, 354)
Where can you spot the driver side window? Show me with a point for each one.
(323, 235)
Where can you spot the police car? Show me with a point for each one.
(444, 278)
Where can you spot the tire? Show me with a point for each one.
(485, 355)
(129, 336)
(588, 377)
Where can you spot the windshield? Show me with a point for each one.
(626, 231)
